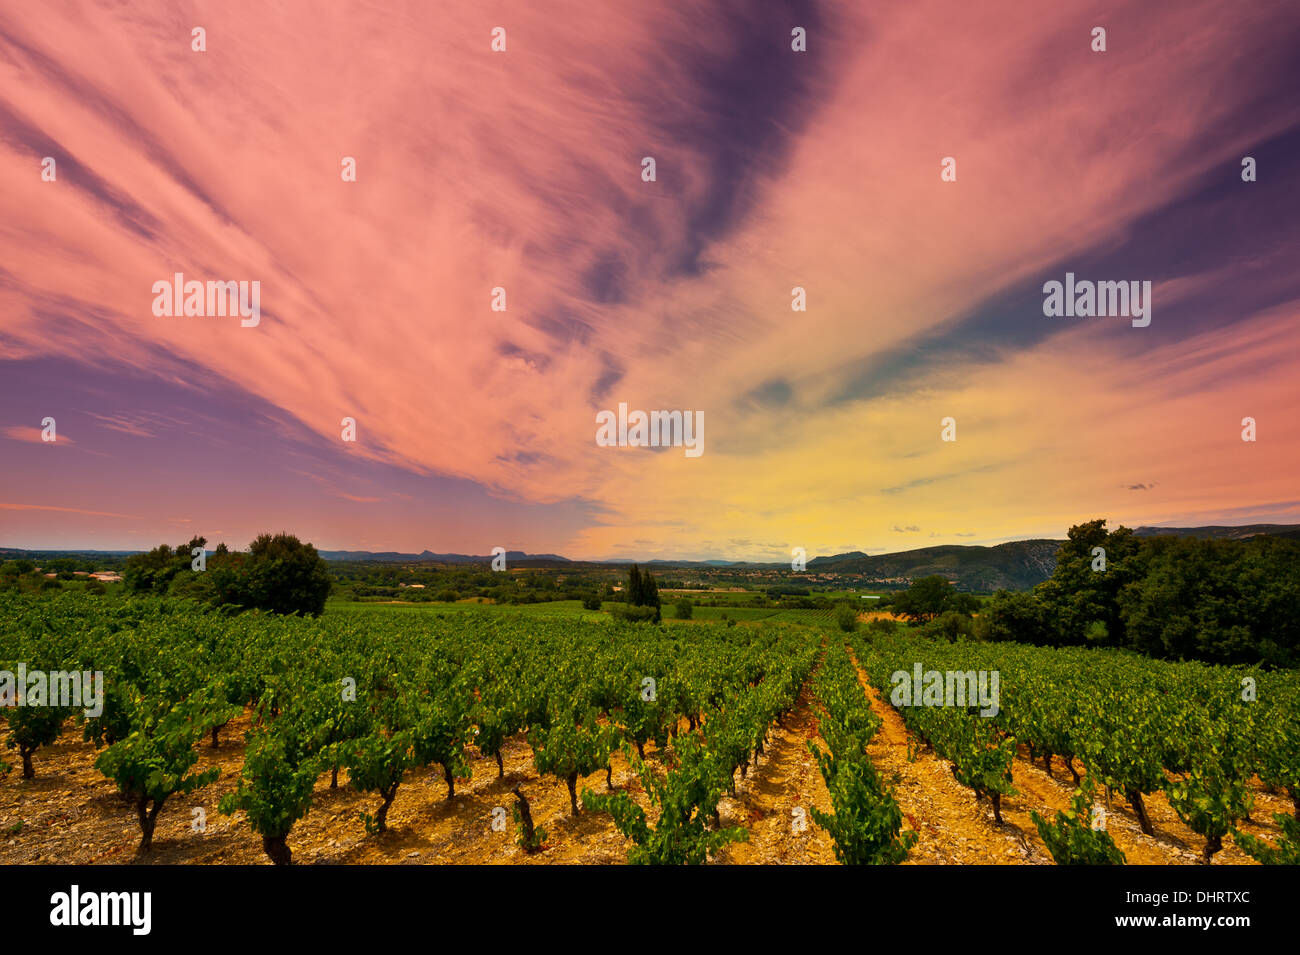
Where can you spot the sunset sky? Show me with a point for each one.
(522, 169)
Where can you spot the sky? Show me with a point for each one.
(522, 169)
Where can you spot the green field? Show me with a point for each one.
(573, 609)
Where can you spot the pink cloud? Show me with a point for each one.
(33, 435)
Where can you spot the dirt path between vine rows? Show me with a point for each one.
(774, 801)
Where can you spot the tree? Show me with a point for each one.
(925, 599)
(1021, 617)
(642, 590)
(649, 591)
(951, 625)
(684, 609)
(1079, 594)
(154, 572)
(280, 574)
(1221, 601)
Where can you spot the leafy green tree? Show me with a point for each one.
(642, 591)
(280, 574)
(154, 572)
(684, 608)
(632, 614)
(951, 626)
(925, 599)
(649, 591)
(1019, 616)
(1221, 601)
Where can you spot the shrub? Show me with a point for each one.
(630, 614)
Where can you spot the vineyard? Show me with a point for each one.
(366, 735)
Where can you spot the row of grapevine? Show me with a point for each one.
(866, 822)
(1197, 732)
(376, 697)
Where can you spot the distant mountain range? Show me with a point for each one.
(1221, 532)
(1016, 565)
(428, 556)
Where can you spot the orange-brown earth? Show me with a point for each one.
(70, 813)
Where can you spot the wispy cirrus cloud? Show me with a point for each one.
(4, 506)
(775, 169)
(32, 435)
